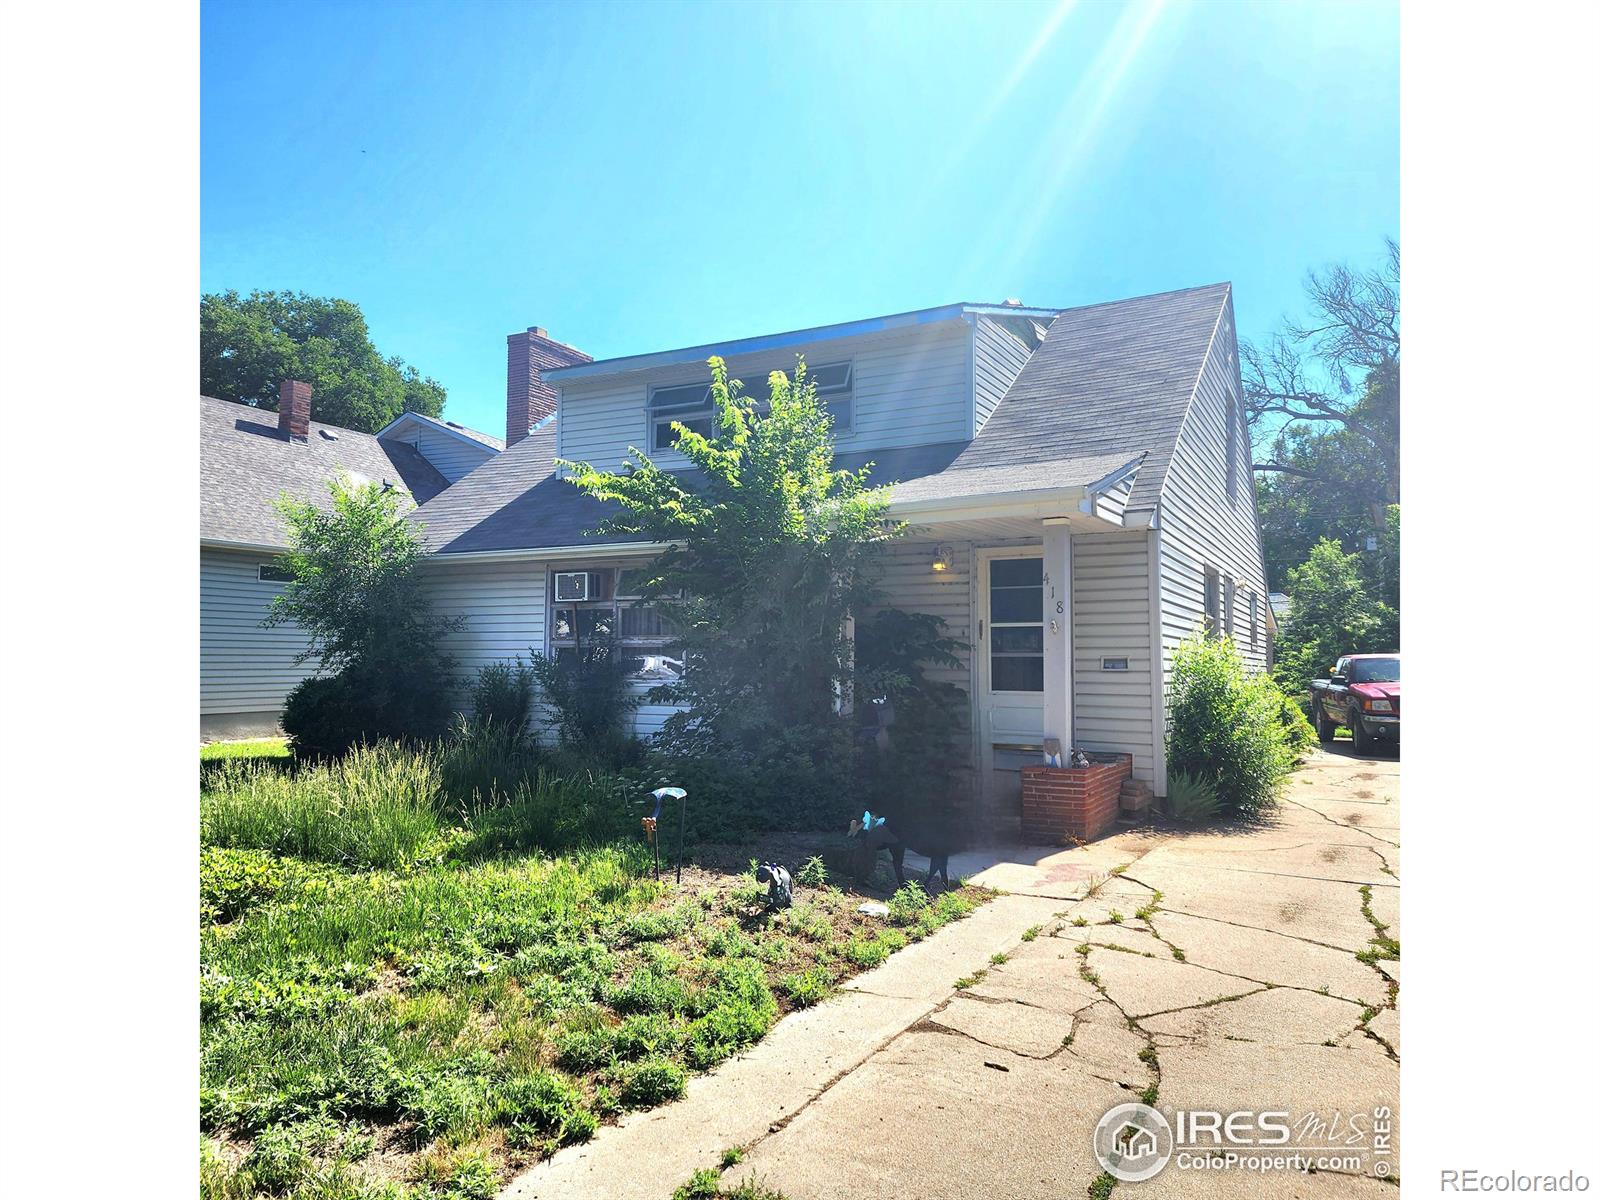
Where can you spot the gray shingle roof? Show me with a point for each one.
(1110, 384)
(246, 463)
(1111, 378)
(515, 501)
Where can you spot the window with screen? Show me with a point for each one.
(618, 611)
(835, 392)
(1228, 591)
(272, 573)
(1016, 625)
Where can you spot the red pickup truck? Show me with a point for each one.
(1362, 694)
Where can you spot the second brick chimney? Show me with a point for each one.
(529, 399)
(294, 409)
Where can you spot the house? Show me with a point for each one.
(248, 458)
(1078, 483)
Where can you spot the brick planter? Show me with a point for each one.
(1062, 804)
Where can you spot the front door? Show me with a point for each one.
(1010, 653)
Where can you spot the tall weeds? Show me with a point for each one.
(379, 806)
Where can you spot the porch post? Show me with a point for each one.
(1058, 632)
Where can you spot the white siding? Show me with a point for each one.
(1201, 525)
(998, 357)
(1112, 710)
(912, 387)
(243, 667)
(502, 607)
(450, 456)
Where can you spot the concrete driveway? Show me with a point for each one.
(1216, 971)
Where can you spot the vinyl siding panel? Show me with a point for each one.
(1200, 524)
(1111, 710)
(505, 613)
(450, 456)
(243, 667)
(998, 357)
(912, 387)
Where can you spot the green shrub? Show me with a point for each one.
(544, 1105)
(650, 1081)
(377, 807)
(737, 1008)
(808, 987)
(589, 691)
(906, 905)
(1226, 725)
(1302, 737)
(326, 716)
(502, 697)
(1191, 797)
(813, 873)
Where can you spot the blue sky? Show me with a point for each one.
(639, 177)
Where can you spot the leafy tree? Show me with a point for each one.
(358, 595)
(250, 344)
(1333, 614)
(770, 554)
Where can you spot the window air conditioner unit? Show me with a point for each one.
(572, 585)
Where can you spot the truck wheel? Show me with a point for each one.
(1359, 734)
(1325, 727)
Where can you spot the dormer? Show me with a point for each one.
(919, 378)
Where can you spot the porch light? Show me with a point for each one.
(941, 558)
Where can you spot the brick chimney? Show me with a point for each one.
(294, 409)
(529, 399)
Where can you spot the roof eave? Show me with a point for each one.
(779, 341)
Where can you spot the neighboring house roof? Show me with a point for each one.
(449, 427)
(1107, 390)
(1279, 602)
(246, 463)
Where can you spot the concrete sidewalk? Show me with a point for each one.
(1224, 975)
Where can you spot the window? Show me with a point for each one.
(1228, 587)
(268, 573)
(1233, 444)
(1213, 601)
(616, 610)
(1255, 628)
(688, 404)
(1016, 625)
(835, 383)
(1113, 664)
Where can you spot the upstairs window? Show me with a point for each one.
(835, 383)
(689, 404)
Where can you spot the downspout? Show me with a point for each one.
(1158, 661)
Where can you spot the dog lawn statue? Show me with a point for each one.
(780, 888)
(874, 834)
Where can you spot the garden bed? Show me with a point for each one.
(431, 1026)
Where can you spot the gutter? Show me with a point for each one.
(541, 553)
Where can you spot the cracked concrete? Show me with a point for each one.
(1240, 988)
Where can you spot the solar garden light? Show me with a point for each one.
(662, 795)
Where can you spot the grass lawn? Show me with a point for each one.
(392, 1005)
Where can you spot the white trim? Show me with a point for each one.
(247, 547)
(1158, 664)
